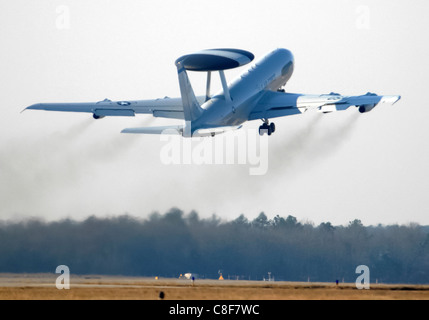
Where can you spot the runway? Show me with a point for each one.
(90, 287)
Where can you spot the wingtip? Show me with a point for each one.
(390, 99)
(32, 107)
(397, 99)
(36, 106)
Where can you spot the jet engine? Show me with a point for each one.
(96, 116)
(366, 108)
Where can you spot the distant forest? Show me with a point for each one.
(174, 243)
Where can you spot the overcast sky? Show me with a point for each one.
(335, 167)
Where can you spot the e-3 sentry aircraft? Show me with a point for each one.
(257, 94)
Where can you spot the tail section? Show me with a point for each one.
(207, 61)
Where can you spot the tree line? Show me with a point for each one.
(175, 243)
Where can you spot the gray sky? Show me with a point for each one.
(336, 168)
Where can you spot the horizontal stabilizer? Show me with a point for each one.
(177, 129)
(214, 131)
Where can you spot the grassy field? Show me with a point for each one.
(42, 287)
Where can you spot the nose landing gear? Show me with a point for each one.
(267, 127)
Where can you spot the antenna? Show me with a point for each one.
(209, 79)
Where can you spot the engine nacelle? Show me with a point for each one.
(366, 108)
(96, 116)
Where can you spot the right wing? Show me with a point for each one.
(165, 108)
(280, 104)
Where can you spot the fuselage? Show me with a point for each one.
(267, 74)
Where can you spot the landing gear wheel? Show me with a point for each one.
(267, 127)
(264, 129)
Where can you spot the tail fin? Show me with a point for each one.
(191, 108)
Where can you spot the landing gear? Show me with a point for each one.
(267, 127)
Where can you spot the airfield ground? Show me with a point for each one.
(42, 287)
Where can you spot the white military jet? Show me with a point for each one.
(256, 94)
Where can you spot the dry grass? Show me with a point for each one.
(42, 287)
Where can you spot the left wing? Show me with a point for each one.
(280, 104)
(165, 108)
